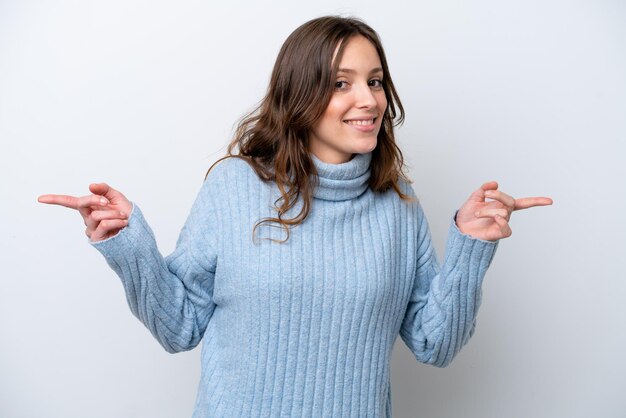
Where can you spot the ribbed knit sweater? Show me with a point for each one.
(304, 328)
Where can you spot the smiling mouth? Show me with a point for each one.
(360, 122)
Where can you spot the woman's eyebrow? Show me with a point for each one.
(351, 71)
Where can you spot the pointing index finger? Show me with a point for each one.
(78, 203)
(59, 199)
(529, 202)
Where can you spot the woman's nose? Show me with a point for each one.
(364, 97)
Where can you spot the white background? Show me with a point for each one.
(144, 95)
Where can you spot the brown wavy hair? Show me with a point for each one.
(274, 137)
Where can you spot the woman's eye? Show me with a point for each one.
(340, 84)
(376, 83)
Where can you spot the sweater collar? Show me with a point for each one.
(342, 181)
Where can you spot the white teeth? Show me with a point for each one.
(360, 122)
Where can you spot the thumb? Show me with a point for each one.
(105, 190)
(479, 194)
(115, 197)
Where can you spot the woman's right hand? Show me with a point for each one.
(105, 212)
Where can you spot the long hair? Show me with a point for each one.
(274, 137)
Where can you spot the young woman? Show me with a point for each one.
(306, 252)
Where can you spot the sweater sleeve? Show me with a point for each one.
(441, 313)
(172, 296)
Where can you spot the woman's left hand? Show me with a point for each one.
(489, 221)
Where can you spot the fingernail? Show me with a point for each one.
(103, 201)
(488, 193)
(122, 214)
(476, 214)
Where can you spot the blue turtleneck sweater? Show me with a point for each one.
(304, 328)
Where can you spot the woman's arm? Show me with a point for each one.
(172, 296)
(441, 313)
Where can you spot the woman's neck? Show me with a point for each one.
(342, 181)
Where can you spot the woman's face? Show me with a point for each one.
(353, 117)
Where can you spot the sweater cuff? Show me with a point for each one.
(476, 251)
(128, 239)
